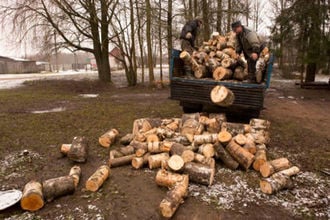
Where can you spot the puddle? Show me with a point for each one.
(59, 109)
(89, 95)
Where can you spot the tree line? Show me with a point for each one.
(145, 31)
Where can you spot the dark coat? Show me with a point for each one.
(248, 42)
(192, 27)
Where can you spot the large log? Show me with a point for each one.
(155, 161)
(139, 162)
(225, 157)
(121, 161)
(260, 157)
(57, 187)
(222, 73)
(79, 150)
(260, 136)
(97, 179)
(75, 173)
(200, 173)
(207, 150)
(222, 96)
(175, 163)
(32, 198)
(174, 198)
(236, 128)
(108, 138)
(278, 181)
(242, 156)
(205, 139)
(274, 166)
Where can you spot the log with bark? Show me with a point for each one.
(222, 73)
(97, 179)
(32, 197)
(225, 157)
(274, 166)
(175, 163)
(260, 157)
(205, 139)
(139, 145)
(260, 136)
(57, 187)
(222, 96)
(199, 70)
(121, 161)
(200, 173)
(259, 124)
(191, 127)
(236, 128)
(250, 146)
(75, 173)
(239, 73)
(155, 161)
(224, 137)
(278, 181)
(167, 178)
(207, 150)
(242, 156)
(108, 138)
(125, 140)
(240, 139)
(78, 151)
(139, 162)
(188, 156)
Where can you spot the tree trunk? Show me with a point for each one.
(79, 150)
(97, 179)
(222, 96)
(310, 72)
(140, 39)
(270, 167)
(121, 161)
(219, 16)
(149, 43)
(75, 173)
(108, 138)
(229, 16)
(200, 173)
(155, 161)
(225, 157)
(103, 66)
(242, 156)
(133, 49)
(278, 181)
(32, 198)
(58, 187)
(206, 17)
(169, 30)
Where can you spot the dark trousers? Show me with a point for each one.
(251, 68)
(186, 45)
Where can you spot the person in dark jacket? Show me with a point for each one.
(250, 44)
(189, 34)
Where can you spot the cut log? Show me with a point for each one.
(32, 198)
(242, 156)
(240, 139)
(259, 124)
(228, 62)
(199, 158)
(222, 96)
(57, 187)
(153, 143)
(222, 73)
(108, 138)
(165, 132)
(155, 161)
(239, 73)
(115, 154)
(213, 64)
(205, 139)
(225, 157)
(121, 161)
(250, 146)
(236, 128)
(75, 173)
(190, 128)
(95, 181)
(188, 156)
(274, 166)
(174, 126)
(260, 136)
(128, 150)
(224, 137)
(168, 179)
(200, 173)
(278, 181)
(140, 152)
(177, 149)
(79, 150)
(180, 139)
(260, 158)
(230, 52)
(65, 148)
(175, 163)
(128, 138)
(207, 150)
(139, 145)
(174, 198)
(139, 162)
(198, 69)
(185, 117)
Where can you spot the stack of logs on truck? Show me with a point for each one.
(217, 59)
(184, 150)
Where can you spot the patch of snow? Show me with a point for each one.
(89, 95)
(59, 109)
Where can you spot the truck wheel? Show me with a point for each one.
(189, 109)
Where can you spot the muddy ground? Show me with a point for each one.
(300, 131)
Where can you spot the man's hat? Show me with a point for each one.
(236, 24)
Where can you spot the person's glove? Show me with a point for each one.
(188, 35)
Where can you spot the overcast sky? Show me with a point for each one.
(8, 46)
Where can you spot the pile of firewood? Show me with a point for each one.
(182, 149)
(217, 59)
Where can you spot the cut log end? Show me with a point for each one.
(32, 198)
(175, 163)
(222, 96)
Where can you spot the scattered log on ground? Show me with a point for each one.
(225, 157)
(222, 96)
(200, 173)
(139, 162)
(108, 138)
(222, 73)
(260, 157)
(274, 166)
(95, 181)
(175, 163)
(75, 173)
(57, 187)
(224, 137)
(242, 156)
(155, 161)
(188, 156)
(121, 161)
(174, 198)
(32, 198)
(79, 150)
(207, 150)
(128, 138)
(278, 181)
(236, 128)
(205, 139)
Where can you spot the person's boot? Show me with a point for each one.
(251, 78)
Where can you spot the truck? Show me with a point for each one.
(194, 94)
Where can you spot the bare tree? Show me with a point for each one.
(149, 42)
